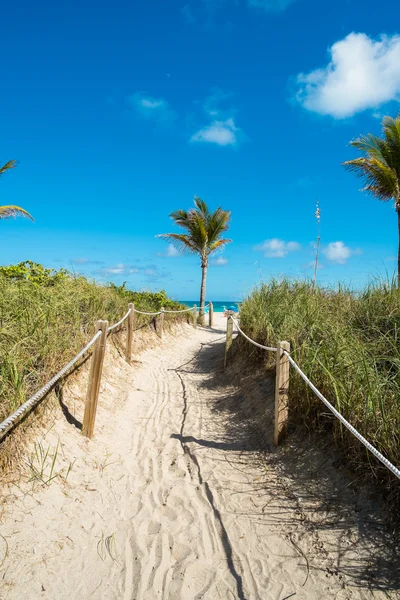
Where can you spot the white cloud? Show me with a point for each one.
(363, 73)
(222, 129)
(339, 253)
(172, 251)
(154, 109)
(222, 133)
(116, 270)
(220, 261)
(120, 269)
(276, 248)
(270, 5)
(150, 272)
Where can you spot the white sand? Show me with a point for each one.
(171, 499)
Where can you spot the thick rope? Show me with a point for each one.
(119, 322)
(337, 414)
(333, 410)
(8, 423)
(179, 311)
(185, 309)
(146, 313)
(250, 340)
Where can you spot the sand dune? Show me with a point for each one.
(175, 497)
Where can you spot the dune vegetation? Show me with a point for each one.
(47, 316)
(349, 346)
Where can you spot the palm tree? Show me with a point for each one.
(203, 237)
(11, 210)
(380, 167)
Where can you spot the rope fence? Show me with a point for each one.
(16, 416)
(112, 327)
(99, 342)
(283, 359)
(150, 314)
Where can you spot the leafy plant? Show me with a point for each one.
(33, 272)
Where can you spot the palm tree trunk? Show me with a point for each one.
(398, 247)
(203, 292)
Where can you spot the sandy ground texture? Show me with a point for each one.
(181, 495)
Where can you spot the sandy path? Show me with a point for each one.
(172, 499)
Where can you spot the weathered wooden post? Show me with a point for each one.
(211, 315)
(129, 335)
(195, 316)
(281, 392)
(162, 322)
(96, 369)
(228, 344)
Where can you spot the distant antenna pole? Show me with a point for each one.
(318, 217)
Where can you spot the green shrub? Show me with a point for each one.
(33, 272)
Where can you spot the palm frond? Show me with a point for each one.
(219, 244)
(378, 178)
(7, 212)
(11, 164)
(198, 229)
(218, 222)
(379, 167)
(180, 217)
(201, 206)
(181, 241)
(391, 129)
(372, 146)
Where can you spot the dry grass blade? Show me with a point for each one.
(300, 551)
(5, 551)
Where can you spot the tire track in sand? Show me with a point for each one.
(204, 486)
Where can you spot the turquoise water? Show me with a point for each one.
(219, 307)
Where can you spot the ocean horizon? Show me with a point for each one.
(219, 306)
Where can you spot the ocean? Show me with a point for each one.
(219, 307)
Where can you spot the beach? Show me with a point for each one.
(173, 497)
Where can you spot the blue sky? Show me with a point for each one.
(120, 113)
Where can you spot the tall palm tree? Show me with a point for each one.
(379, 168)
(203, 237)
(11, 210)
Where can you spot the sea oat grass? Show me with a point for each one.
(43, 326)
(349, 346)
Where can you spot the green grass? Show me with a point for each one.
(45, 320)
(349, 346)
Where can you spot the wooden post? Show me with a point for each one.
(129, 335)
(96, 368)
(281, 392)
(162, 322)
(228, 344)
(211, 315)
(195, 316)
